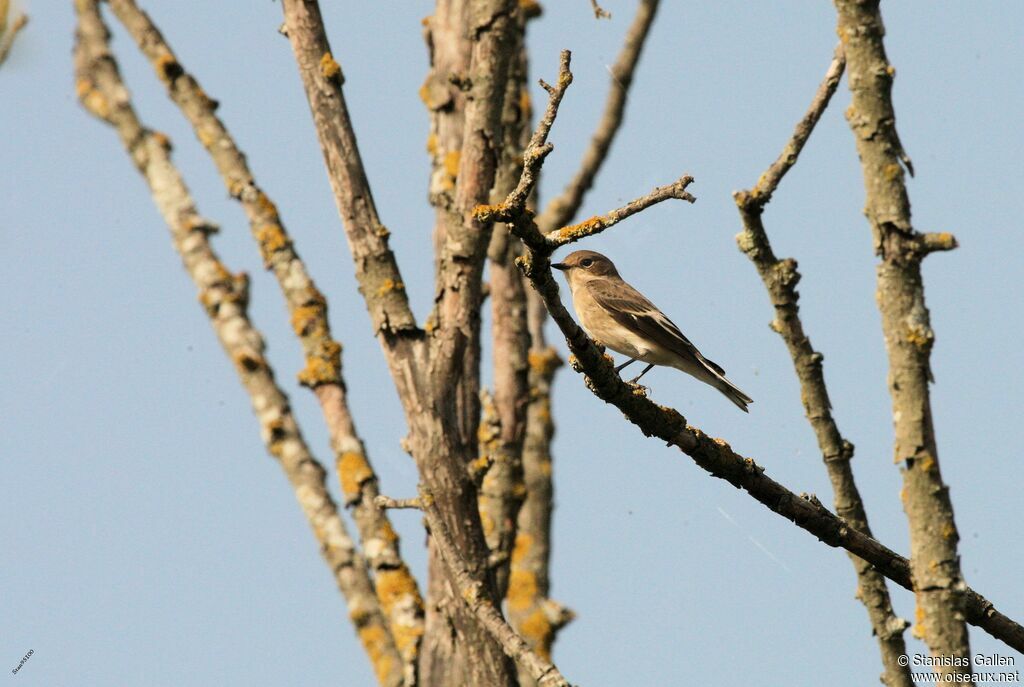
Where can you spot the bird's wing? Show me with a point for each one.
(632, 310)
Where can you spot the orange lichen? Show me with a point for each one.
(329, 68)
(271, 238)
(545, 468)
(536, 629)
(892, 171)
(374, 640)
(544, 362)
(918, 630)
(524, 542)
(394, 586)
(321, 370)
(308, 319)
(948, 530)
(584, 228)
(353, 470)
(919, 337)
(432, 144)
(522, 589)
(266, 205)
(387, 532)
(524, 100)
(451, 163)
(389, 285)
(927, 462)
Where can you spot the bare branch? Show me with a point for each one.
(711, 454)
(939, 585)
(9, 33)
(769, 181)
(397, 589)
(562, 208)
(388, 502)
(476, 598)
(225, 298)
(380, 280)
(780, 278)
(595, 225)
(599, 12)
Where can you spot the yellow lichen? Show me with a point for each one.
(890, 70)
(319, 370)
(524, 100)
(271, 239)
(536, 629)
(389, 285)
(451, 163)
(387, 532)
(394, 586)
(892, 171)
(353, 471)
(918, 337)
(307, 319)
(432, 144)
(522, 589)
(948, 530)
(487, 522)
(329, 68)
(584, 228)
(918, 630)
(374, 640)
(266, 205)
(544, 362)
(927, 461)
(524, 542)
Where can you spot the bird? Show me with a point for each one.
(621, 318)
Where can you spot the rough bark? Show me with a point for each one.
(225, 297)
(426, 366)
(939, 586)
(780, 278)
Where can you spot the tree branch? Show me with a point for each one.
(780, 278)
(758, 197)
(225, 298)
(711, 454)
(939, 587)
(396, 588)
(562, 208)
(477, 600)
(9, 33)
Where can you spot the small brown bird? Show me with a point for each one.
(618, 316)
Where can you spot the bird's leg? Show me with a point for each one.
(646, 370)
(623, 365)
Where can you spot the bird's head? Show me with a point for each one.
(583, 265)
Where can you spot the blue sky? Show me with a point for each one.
(148, 538)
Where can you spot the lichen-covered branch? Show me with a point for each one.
(485, 612)
(711, 454)
(560, 210)
(307, 306)
(426, 367)
(939, 586)
(9, 29)
(780, 278)
(225, 297)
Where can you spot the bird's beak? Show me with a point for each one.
(560, 266)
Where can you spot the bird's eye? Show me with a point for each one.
(587, 262)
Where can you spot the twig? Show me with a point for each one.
(225, 298)
(307, 306)
(477, 600)
(939, 585)
(7, 39)
(599, 12)
(715, 455)
(562, 208)
(388, 502)
(759, 196)
(595, 225)
(780, 278)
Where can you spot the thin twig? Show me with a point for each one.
(711, 454)
(780, 278)
(599, 12)
(562, 208)
(225, 298)
(769, 181)
(7, 39)
(388, 502)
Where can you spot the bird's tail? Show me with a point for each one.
(732, 392)
(715, 376)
